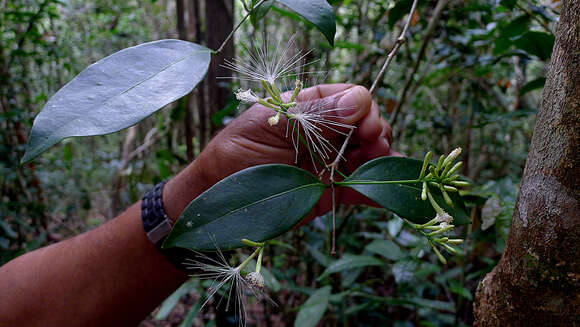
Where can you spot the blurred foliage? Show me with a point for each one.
(476, 84)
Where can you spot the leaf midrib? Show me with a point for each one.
(72, 121)
(259, 201)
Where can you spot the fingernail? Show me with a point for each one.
(349, 102)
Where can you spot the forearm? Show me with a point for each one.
(112, 275)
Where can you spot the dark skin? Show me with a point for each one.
(113, 275)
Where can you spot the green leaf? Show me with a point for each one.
(257, 203)
(539, 44)
(399, 11)
(510, 4)
(260, 12)
(404, 271)
(538, 83)
(188, 320)
(313, 309)
(169, 303)
(387, 249)
(119, 91)
(318, 12)
(403, 199)
(350, 261)
(457, 288)
(432, 304)
(516, 27)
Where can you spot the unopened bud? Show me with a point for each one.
(454, 154)
(274, 119)
(246, 96)
(255, 280)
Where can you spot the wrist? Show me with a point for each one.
(182, 189)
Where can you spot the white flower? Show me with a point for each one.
(246, 96)
(263, 64)
(310, 118)
(274, 120)
(223, 275)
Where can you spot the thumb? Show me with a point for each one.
(355, 104)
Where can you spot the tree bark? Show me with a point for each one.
(537, 281)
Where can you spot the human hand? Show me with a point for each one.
(249, 140)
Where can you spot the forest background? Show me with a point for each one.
(470, 75)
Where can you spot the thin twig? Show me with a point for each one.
(430, 29)
(333, 248)
(238, 26)
(398, 44)
(334, 164)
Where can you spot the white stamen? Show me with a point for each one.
(262, 64)
(312, 117)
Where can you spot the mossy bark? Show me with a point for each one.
(537, 281)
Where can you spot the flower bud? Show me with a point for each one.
(256, 280)
(246, 96)
(444, 217)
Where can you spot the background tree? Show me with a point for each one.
(538, 277)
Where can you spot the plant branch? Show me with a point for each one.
(238, 27)
(399, 42)
(409, 81)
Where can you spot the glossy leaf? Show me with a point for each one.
(313, 309)
(119, 91)
(257, 203)
(403, 199)
(350, 261)
(317, 12)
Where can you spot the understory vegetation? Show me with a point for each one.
(469, 74)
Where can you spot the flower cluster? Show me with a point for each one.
(444, 178)
(309, 118)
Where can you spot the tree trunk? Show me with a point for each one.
(220, 21)
(187, 103)
(537, 281)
